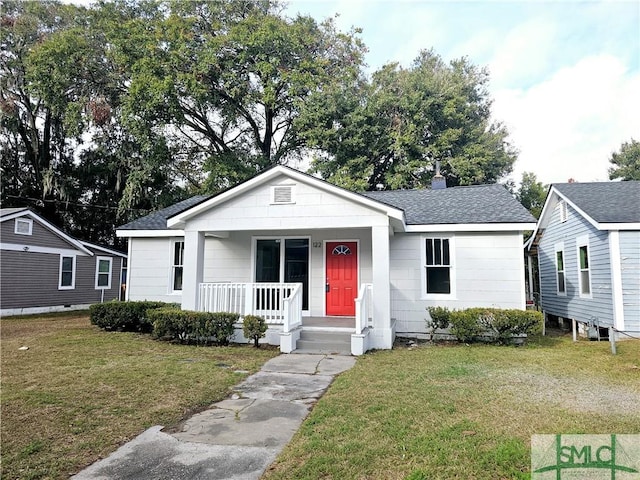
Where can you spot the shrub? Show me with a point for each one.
(185, 326)
(470, 324)
(124, 316)
(254, 328)
(465, 325)
(440, 319)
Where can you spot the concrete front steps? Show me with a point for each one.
(332, 342)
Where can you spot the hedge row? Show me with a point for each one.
(471, 324)
(125, 316)
(185, 326)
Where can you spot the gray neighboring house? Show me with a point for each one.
(42, 269)
(588, 246)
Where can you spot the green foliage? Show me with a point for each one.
(185, 326)
(439, 318)
(254, 328)
(532, 193)
(389, 131)
(502, 324)
(124, 316)
(625, 163)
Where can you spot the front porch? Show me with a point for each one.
(280, 304)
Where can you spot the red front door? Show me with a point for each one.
(342, 278)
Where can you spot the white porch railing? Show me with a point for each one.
(364, 307)
(293, 309)
(277, 303)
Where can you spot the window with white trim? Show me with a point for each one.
(177, 266)
(23, 226)
(438, 268)
(67, 278)
(103, 273)
(584, 272)
(561, 288)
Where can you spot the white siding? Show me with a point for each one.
(230, 260)
(489, 272)
(313, 208)
(150, 270)
(630, 264)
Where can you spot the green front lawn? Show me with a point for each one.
(78, 392)
(467, 412)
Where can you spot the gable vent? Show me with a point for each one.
(282, 194)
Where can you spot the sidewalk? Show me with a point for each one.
(237, 438)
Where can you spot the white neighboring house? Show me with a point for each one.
(308, 255)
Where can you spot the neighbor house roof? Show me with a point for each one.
(605, 202)
(158, 220)
(18, 212)
(455, 205)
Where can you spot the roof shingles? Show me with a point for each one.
(605, 202)
(456, 205)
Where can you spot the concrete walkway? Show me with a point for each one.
(238, 438)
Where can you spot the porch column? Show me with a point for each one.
(381, 289)
(192, 268)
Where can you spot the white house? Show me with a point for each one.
(310, 256)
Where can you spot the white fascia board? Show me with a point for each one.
(179, 219)
(619, 226)
(10, 216)
(471, 227)
(53, 228)
(149, 233)
(14, 247)
(552, 198)
(103, 249)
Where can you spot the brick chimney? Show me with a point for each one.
(438, 182)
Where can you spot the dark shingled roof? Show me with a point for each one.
(605, 202)
(473, 204)
(158, 220)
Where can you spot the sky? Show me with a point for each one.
(565, 75)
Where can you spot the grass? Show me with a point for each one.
(462, 412)
(78, 392)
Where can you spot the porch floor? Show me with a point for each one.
(329, 322)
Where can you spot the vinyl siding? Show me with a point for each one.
(31, 279)
(41, 236)
(630, 263)
(488, 272)
(600, 305)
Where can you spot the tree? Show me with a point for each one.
(66, 151)
(388, 132)
(39, 113)
(225, 82)
(532, 193)
(625, 164)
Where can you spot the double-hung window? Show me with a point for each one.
(67, 277)
(438, 266)
(584, 273)
(103, 273)
(560, 278)
(177, 266)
